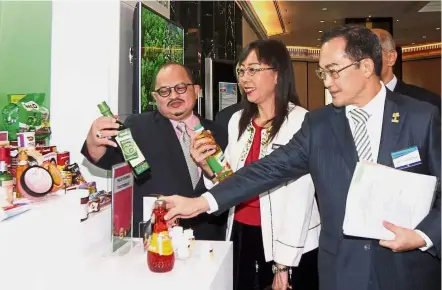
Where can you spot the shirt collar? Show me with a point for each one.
(375, 106)
(190, 122)
(392, 84)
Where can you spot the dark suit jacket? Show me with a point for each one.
(324, 147)
(418, 93)
(223, 116)
(169, 175)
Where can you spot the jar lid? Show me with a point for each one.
(36, 181)
(160, 203)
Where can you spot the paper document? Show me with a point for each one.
(379, 193)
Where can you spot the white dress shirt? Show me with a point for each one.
(374, 128)
(375, 108)
(392, 84)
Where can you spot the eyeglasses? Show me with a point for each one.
(334, 74)
(251, 71)
(180, 88)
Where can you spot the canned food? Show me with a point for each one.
(5, 155)
(67, 178)
(46, 149)
(63, 160)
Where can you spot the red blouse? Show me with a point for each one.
(249, 212)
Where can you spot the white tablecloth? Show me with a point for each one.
(46, 249)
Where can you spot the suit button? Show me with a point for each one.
(367, 247)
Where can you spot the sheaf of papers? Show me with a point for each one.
(379, 193)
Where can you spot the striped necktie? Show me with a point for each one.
(360, 134)
(185, 145)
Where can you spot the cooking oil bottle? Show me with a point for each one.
(217, 162)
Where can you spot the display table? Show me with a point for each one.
(46, 249)
(198, 272)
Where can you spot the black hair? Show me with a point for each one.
(361, 43)
(274, 54)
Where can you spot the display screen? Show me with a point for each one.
(160, 42)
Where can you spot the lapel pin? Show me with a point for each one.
(395, 117)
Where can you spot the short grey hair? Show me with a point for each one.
(387, 42)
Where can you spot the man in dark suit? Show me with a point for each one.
(158, 136)
(223, 116)
(359, 125)
(389, 57)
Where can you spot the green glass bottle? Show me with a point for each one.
(131, 153)
(6, 181)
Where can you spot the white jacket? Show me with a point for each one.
(289, 214)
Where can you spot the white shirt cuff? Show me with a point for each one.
(213, 205)
(428, 242)
(208, 183)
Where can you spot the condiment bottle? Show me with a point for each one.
(160, 254)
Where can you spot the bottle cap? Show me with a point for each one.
(198, 127)
(177, 230)
(160, 203)
(103, 107)
(188, 233)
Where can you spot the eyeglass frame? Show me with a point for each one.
(247, 70)
(331, 71)
(174, 88)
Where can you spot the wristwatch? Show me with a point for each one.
(211, 177)
(276, 269)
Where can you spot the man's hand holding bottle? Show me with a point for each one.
(99, 136)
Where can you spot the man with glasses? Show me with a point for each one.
(164, 139)
(366, 122)
(389, 56)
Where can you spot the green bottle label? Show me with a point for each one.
(131, 153)
(129, 149)
(217, 162)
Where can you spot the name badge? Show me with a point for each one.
(275, 146)
(406, 158)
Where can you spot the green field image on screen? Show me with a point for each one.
(161, 42)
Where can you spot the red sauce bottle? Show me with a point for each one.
(160, 256)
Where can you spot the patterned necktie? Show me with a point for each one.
(360, 134)
(185, 145)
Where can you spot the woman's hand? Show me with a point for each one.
(199, 151)
(281, 281)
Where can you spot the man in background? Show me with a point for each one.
(389, 56)
(223, 116)
(163, 137)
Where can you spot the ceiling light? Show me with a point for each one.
(424, 36)
(369, 16)
(318, 39)
(268, 15)
(397, 20)
(334, 21)
(437, 28)
(320, 31)
(324, 9)
(413, 43)
(322, 21)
